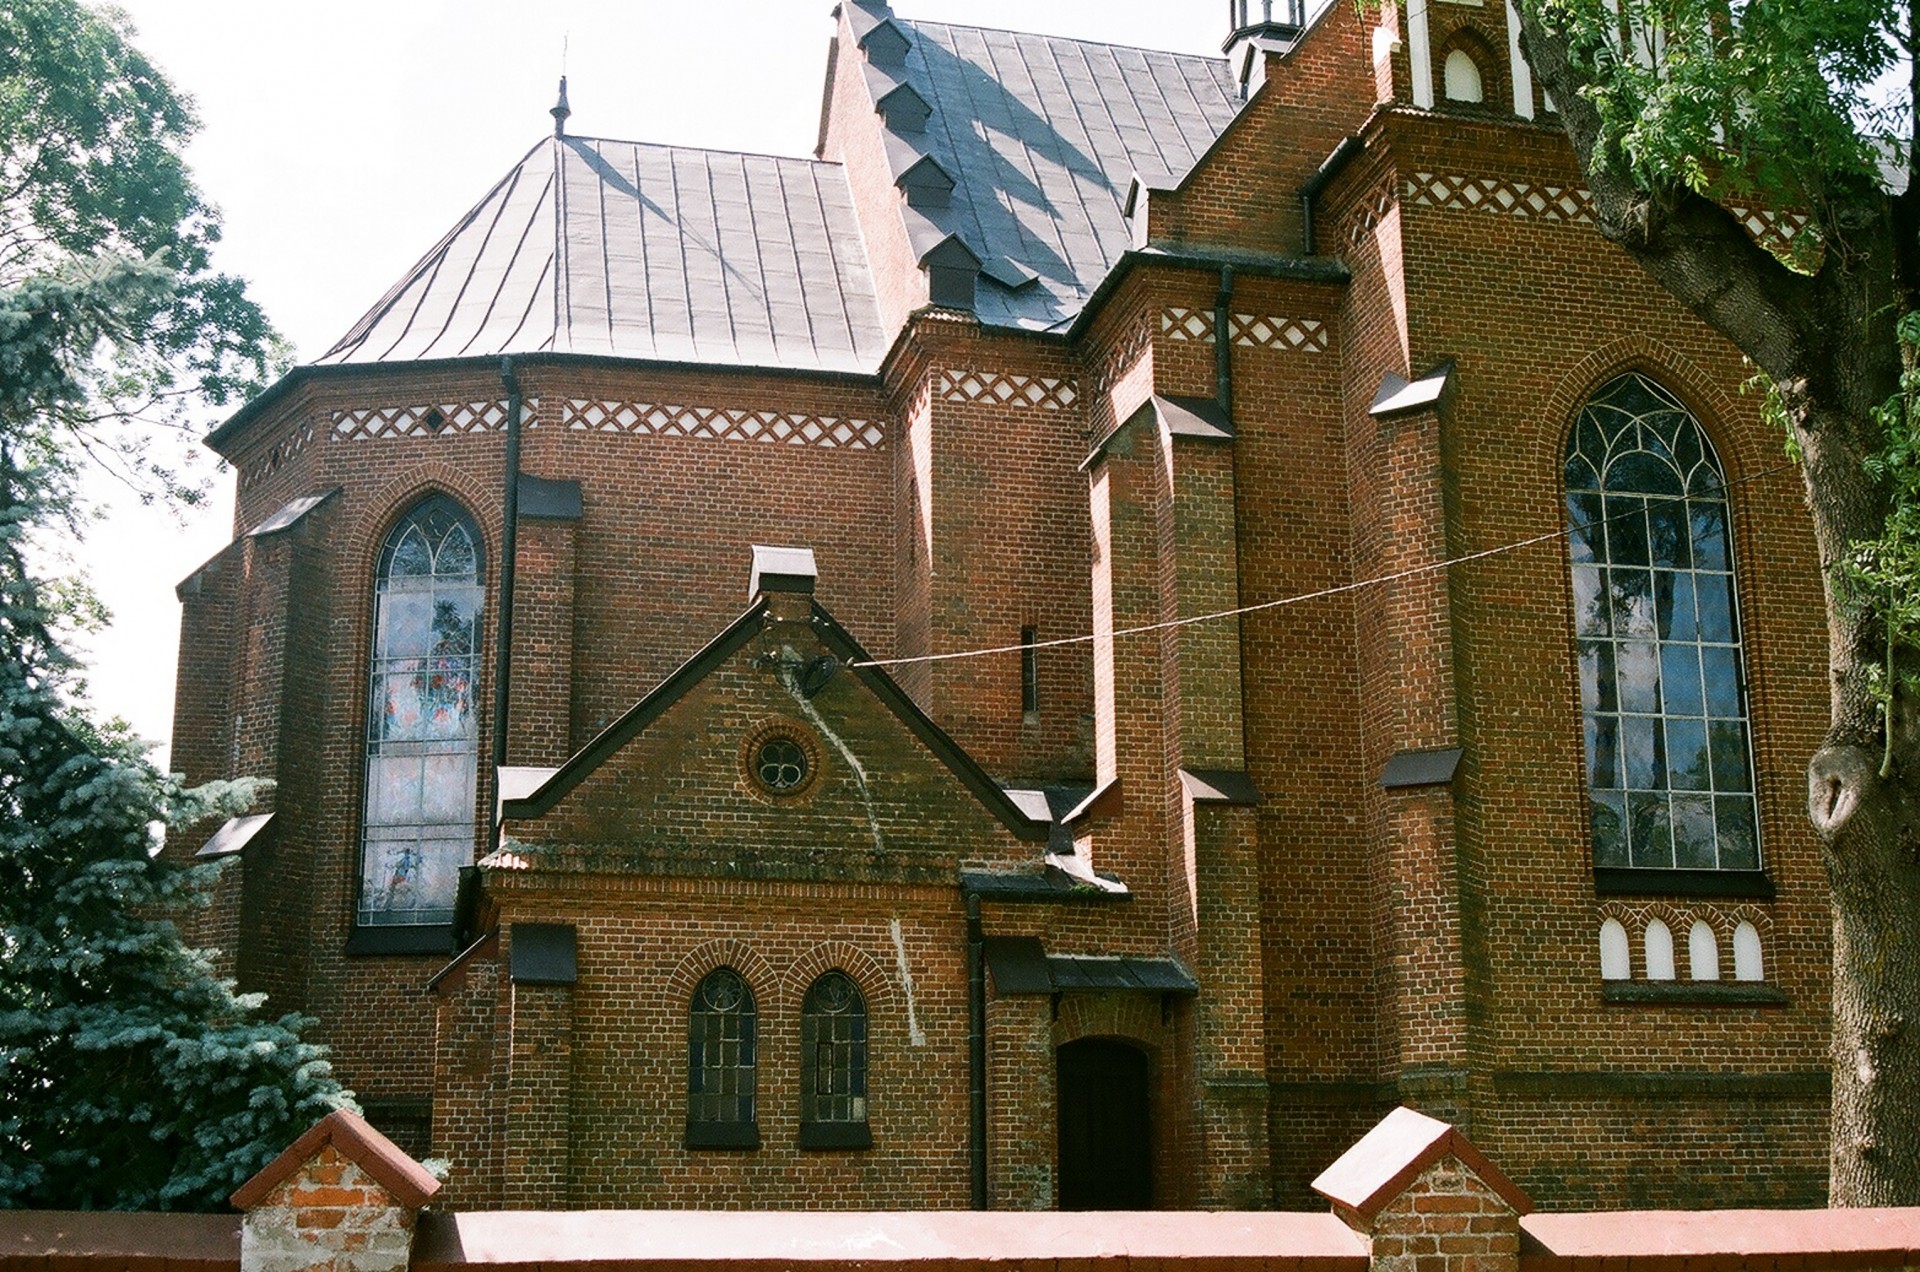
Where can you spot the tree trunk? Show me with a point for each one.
(1828, 342)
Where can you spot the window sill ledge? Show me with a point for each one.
(1624, 881)
(1693, 993)
(835, 1135)
(734, 1136)
(431, 938)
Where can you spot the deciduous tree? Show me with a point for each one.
(1678, 110)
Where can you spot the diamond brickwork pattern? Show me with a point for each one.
(283, 451)
(1251, 331)
(719, 423)
(1007, 389)
(1771, 229)
(1498, 194)
(1370, 211)
(386, 423)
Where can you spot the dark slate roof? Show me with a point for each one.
(626, 250)
(1042, 136)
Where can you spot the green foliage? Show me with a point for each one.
(96, 197)
(1880, 577)
(1780, 100)
(130, 1076)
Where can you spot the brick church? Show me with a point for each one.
(1128, 615)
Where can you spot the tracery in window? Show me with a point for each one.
(1669, 767)
(423, 737)
(721, 1061)
(833, 1065)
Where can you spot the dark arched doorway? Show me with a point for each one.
(1106, 1140)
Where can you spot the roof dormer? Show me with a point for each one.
(877, 34)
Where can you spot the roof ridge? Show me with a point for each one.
(1070, 39)
(809, 160)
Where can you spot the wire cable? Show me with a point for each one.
(1301, 598)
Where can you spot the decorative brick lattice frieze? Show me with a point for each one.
(1770, 229)
(1458, 192)
(1498, 194)
(1370, 211)
(283, 451)
(721, 423)
(1251, 331)
(1124, 354)
(1007, 389)
(384, 423)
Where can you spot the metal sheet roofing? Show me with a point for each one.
(1042, 135)
(627, 250)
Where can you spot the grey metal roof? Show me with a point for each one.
(622, 249)
(1042, 135)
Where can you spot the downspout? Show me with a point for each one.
(1329, 169)
(509, 549)
(1223, 342)
(976, 1055)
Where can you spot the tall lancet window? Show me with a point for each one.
(423, 736)
(1669, 763)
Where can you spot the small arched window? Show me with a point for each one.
(1460, 78)
(423, 732)
(721, 1060)
(1669, 765)
(1747, 964)
(1616, 962)
(1703, 952)
(833, 1065)
(1659, 949)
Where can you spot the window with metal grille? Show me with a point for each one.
(833, 1065)
(423, 733)
(720, 1063)
(1663, 700)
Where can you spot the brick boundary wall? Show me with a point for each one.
(1414, 1195)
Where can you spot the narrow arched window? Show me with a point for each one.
(1669, 763)
(721, 1059)
(423, 734)
(1460, 78)
(833, 1065)
(1659, 951)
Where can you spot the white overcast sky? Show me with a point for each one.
(341, 140)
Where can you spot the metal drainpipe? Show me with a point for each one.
(977, 1054)
(1223, 342)
(509, 548)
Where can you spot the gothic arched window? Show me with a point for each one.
(833, 1065)
(423, 736)
(721, 1023)
(1669, 763)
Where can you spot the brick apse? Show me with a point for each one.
(1405, 642)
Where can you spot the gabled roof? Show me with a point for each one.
(406, 1180)
(585, 762)
(621, 249)
(1042, 135)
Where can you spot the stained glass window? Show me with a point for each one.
(720, 1063)
(1669, 760)
(422, 729)
(833, 1064)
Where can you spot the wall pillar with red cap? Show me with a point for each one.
(1425, 1199)
(342, 1198)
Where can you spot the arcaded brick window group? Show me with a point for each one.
(722, 1058)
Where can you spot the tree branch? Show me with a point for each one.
(1691, 245)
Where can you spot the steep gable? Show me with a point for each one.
(671, 787)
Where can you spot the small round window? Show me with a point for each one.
(780, 765)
